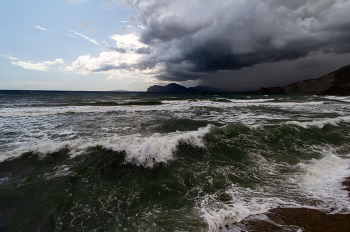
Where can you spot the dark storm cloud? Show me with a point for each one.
(275, 74)
(144, 50)
(106, 67)
(194, 38)
(178, 76)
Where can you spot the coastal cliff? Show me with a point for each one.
(334, 83)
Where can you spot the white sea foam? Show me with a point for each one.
(320, 123)
(38, 111)
(167, 106)
(244, 202)
(149, 150)
(141, 150)
(62, 170)
(338, 98)
(158, 148)
(238, 202)
(317, 180)
(321, 179)
(41, 149)
(252, 100)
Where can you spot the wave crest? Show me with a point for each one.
(141, 150)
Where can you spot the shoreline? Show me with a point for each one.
(296, 219)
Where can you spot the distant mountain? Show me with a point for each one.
(334, 83)
(176, 88)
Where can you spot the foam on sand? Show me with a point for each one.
(322, 179)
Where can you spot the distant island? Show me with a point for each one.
(334, 83)
(176, 88)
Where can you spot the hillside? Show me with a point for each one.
(334, 83)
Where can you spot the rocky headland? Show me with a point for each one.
(176, 88)
(334, 83)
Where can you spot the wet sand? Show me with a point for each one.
(296, 219)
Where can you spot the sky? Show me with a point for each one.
(107, 45)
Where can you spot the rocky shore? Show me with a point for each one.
(296, 219)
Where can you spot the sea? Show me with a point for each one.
(138, 161)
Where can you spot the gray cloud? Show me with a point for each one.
(196, 39)
(144, 50)
(113, 49)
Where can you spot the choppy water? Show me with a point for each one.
(108, 161)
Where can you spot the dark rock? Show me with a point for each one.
(337, 90)
(171, 88)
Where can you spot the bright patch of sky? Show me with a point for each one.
(41, 40)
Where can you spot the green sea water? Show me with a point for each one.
(107, 161)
